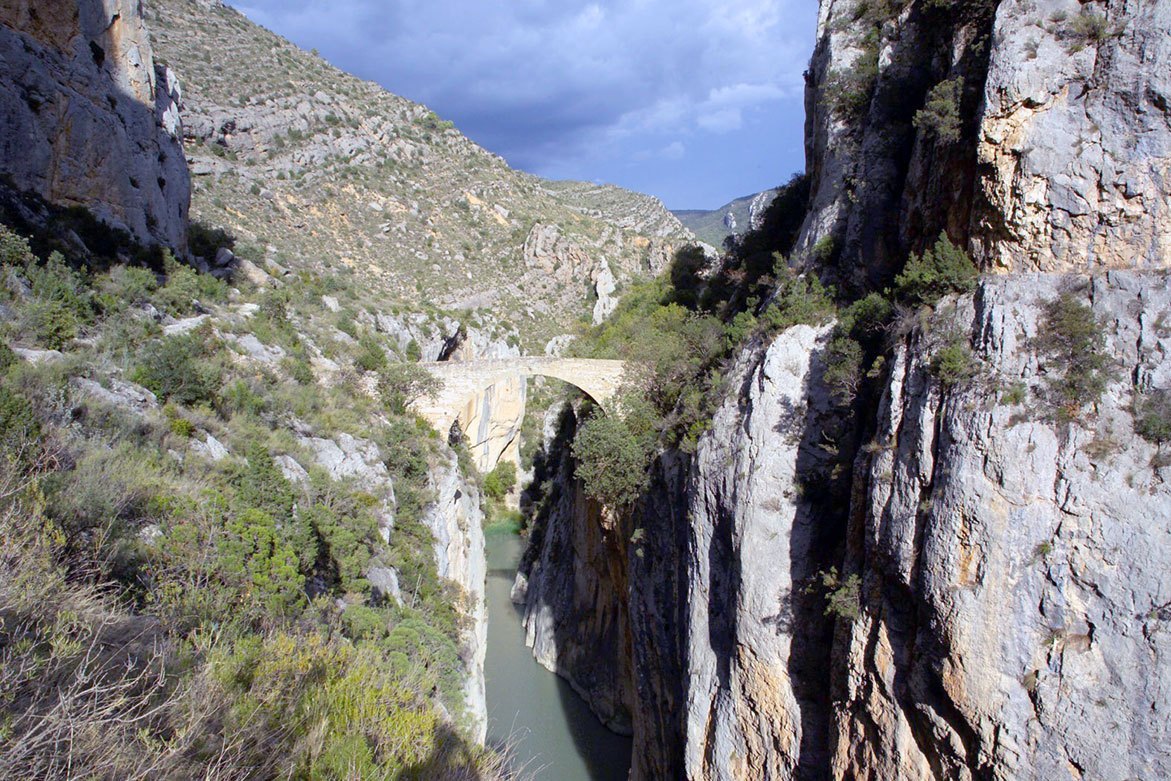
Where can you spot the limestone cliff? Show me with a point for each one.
(88, 118)
(980, 590)
(1014, 571)
(456, 521)
(1038, 133)
(572, 584)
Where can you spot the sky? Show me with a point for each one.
(694, 101)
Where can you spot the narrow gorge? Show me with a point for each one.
(333, 447)
(960, 573)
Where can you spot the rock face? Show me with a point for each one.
(1075, 138)
(456, 521)
(999, 578)
(88, 118)
(756, 665)
(1054, 157)
(1015, 571)
(572, 584)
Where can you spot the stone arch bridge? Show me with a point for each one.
(463, 382)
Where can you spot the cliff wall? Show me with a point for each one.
(1038, 134)
(88, 118)
(958, 580)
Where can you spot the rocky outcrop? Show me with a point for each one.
(88, 118)
(1047, 147)
(756, 673)
(981, 590)
(572, 584)
(1075, 138)
(1014, 570)
(456, 521)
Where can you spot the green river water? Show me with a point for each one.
(553, 734)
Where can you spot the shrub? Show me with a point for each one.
(400, 384)
(943, 269)
(800, 299)
(61, 302)
(847, 92)
(843, 368)
(940, 114)
(954, 363)
(7, 357)
(611, 462)
(1088, 27)
(842, 595)
(1015, 394)
(126, 286)
(14, 249)
(178, 424)
(19, 429)
(370, 356)
(252, 554)
(184, 287)
(299, 370)
(184, 368)
(345, 541)
(1073, 339)
(500, 480)
(307, 707)
(1152, 416)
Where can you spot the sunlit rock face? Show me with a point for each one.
(1058, 158)
(88, 118)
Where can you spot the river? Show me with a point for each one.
(553, 734)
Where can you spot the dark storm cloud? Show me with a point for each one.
(543, 82)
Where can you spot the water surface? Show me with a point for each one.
(554, 734)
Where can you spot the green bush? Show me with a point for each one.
(178, 424)
(184, 287)
(370, 356)
(1152, 416)
(298, 370)
(500, 480)
(345, 540)
(954, 363)
(1075, 342)
(611, 461)
(14, 249)
(843, 369)
(7, 357)
(940, 115)
(253, 554)
(60, 305)
(943, 269)
(799, 299)
(20, 430)
(184, 368)
(842, 595)
(848, 90)
(126, 286)
(399, 384)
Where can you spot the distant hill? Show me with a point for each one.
(733, 218)
(311, 167)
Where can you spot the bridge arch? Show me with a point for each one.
(463, 381)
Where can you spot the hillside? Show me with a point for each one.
(732, 219)
(313, 168)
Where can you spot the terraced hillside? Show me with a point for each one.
(311, 167)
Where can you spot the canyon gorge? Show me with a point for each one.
(880, 490)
